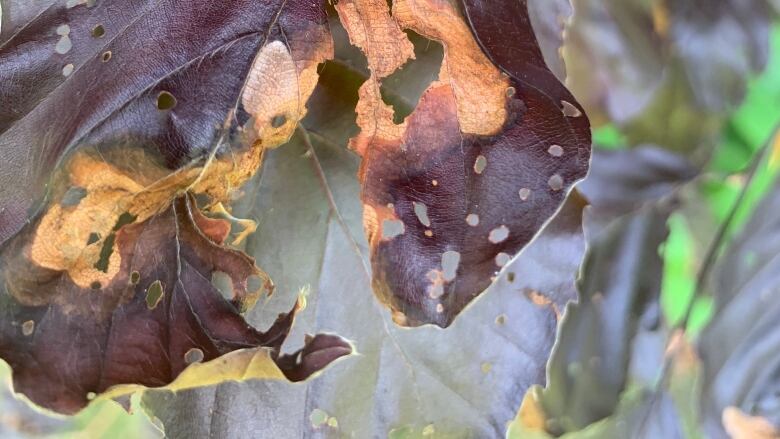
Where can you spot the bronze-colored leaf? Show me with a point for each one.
(455, 190)
(167, 86)
(65, 341)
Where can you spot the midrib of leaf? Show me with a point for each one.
(331, 200)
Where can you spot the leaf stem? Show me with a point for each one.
(720, 236)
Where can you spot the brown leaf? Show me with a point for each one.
(158, 314)
(197, 89)
(479, 166)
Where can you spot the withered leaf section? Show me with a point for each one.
(111, 111)
(159, 314)
(467, 180)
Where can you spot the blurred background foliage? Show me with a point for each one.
(675, 333)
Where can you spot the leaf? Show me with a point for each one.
(549, 19)
(21, 420)
(456, 189)
(619, 288)
(118, 335)
(452, 382)
(100, 244)
(169, 104)
(738, 347)
(624, 57)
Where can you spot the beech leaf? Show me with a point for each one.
(115, 116)
(453, 192)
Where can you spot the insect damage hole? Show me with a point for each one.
(98, 31)
(570, 110)
(403, 88)
(502, 259)
(421, 210)
(480, 164)
(555, 182)
(555, 150)
(193, 355)
(28, 328)
(224, 284)
(472, 220)
(278, 121)
(64, 44)
(450, 260)
(165, 101)
(499, 234)
(106, 57)
(392, 228)
(524, 193)
(154, 294)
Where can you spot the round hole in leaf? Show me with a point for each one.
(193, 355)
(165, 101)
(278, 120)
(28, 327)
(106, 56)
(98, 31)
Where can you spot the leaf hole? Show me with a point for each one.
(222, 282)
(450, 260)
(106, 57)
(73, 196)
(154, 294)
(392, 228)
(93, 238)
(569, 110)
(28, 328)
(278, 120)
(480, 164)
(403, 88)
(63, 30)
(524, 193)
(135, 277)
(499, 234)
(67, 70)
(165, 101)
(472, 220)
(98, 31)
(193, 355)
(502, 259)
(555, 182)
(64, 45)
(421, 210)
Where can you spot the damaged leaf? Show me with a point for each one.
(115, 334)
(193, 107)
(482, 162)
(107, 262)
(477, 369)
